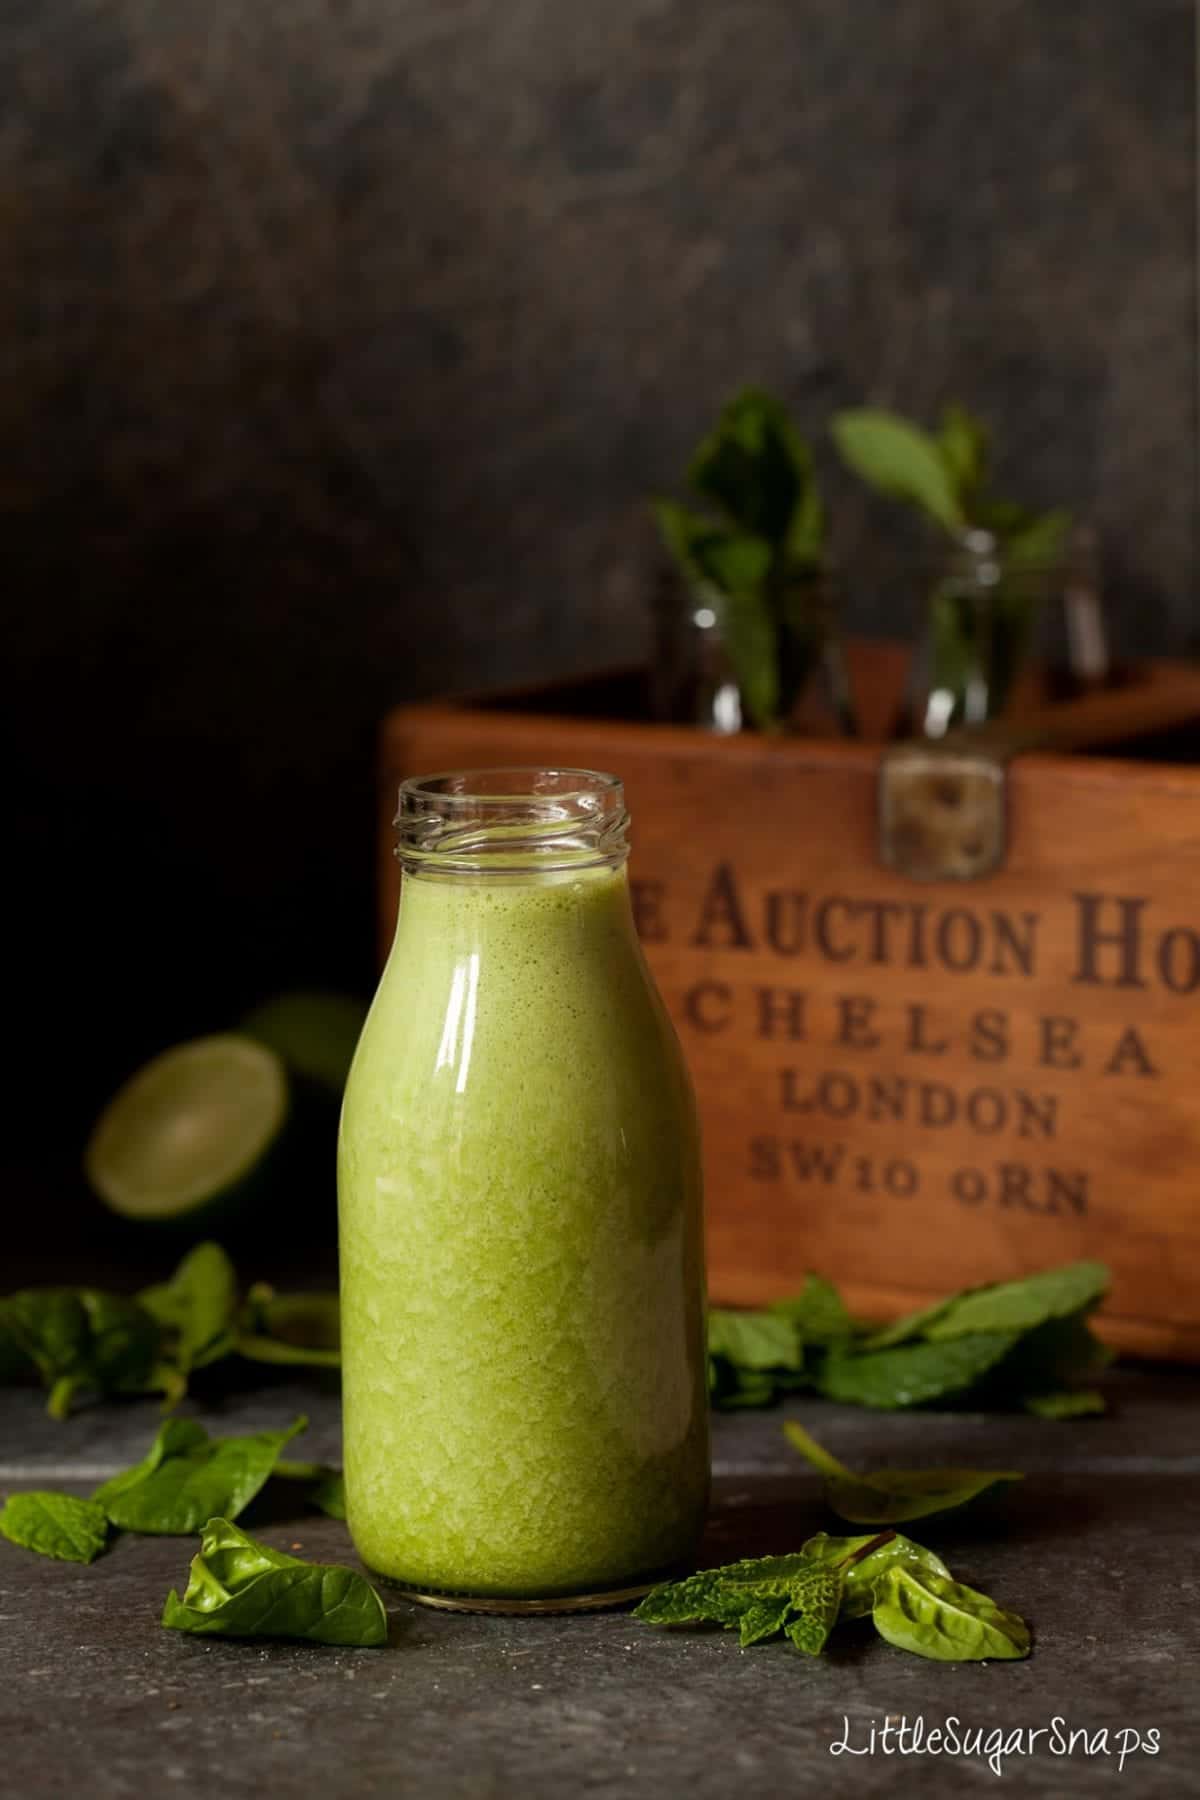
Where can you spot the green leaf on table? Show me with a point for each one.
(753, 1356)
(1066, 1403)
(327, 1490)
(175, 1438)
(238, 1587)
(1045, 1316)
(83, 1340)
(197, 1307)
(911, 1326)
(761, 1597)
(912, 1374)
(944, 1620)
(186, 1479)
(898, 459)
(59, 1525)
(330, 1494)
(861, 1573)
(1051, 1358)
(895, 1496)
(818, 1312)
(1021, 1305)
(731, 1388)
(754, 1340)
(815, 1601)
(763, 1619)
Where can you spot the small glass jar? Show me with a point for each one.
(985, 613)
(712, 656)
(525, 1402)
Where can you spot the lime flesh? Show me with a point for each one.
(189, 1128)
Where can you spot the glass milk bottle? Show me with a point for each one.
(526, 1418)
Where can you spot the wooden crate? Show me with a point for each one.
(906, 1086)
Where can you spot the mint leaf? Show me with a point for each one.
(912, 1374)
(1020, 1305)
(240, 1588)
(56, 1525)
(764, 1619)
(760, 1597)
(754, 1340)
(861, 1573)
(899, 460)
(186, 1479)
(944, 1620)
(818, 1312)
(815, 1601)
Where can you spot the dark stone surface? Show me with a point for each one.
(1095, 1548)
(344, 339)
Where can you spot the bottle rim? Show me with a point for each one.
(511, 820)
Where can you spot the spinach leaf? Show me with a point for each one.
(945, 1620)
(864, 1566)
(81, 1339)
(177, 1437)
(912, 1374)
(197, 1307)
(894, 1496)
(55, 1525)
(240, 1588)
(185, 1480)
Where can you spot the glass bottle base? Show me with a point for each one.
(499, 1603)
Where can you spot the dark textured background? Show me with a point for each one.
(344, 337)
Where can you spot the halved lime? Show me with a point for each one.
(314, 1032)
(191, 1132)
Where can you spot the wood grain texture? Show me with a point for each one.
(909, 1087)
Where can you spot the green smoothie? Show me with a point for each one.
(521, 1251)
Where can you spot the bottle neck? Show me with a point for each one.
(512, 824)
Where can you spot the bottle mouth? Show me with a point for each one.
(511, 821)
